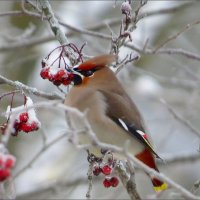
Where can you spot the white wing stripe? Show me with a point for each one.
(123, 124)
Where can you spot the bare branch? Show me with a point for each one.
(35, 158)
(180, 118)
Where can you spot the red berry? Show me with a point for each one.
(23, 117)
(61, 73)
(4, 174)
(97, 171)
(58, 75)
(106, 183)
(34, 126)
(9, 161)
(50, 77)
(66, 81)
(57, 82)
(106, 170)
(44, 73)
(70, 76)
(26, 127)
(114, 181)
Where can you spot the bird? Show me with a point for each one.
(111, 113)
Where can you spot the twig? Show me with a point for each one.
(169, 51)
(164, 11)
(42, 150)
(195, 187)
(90, 176)
(180, 118)
(184, 157)
(173, 37)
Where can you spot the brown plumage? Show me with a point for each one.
(111, 113)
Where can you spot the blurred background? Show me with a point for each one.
(60, 172)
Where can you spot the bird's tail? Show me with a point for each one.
(147, 158)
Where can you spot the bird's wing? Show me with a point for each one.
(118, 110)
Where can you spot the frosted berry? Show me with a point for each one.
(9, 161)
(66, 81)
(61, 73)
(57, 82)
(25, 127)
(23, 117)
(114, 181)
(106, 183)
(4, 174)
(34, 126)
(106, 170)
(97, 171)
(51, 77)
(44, 73)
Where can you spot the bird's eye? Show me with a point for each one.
(77, 79)
(87, 73)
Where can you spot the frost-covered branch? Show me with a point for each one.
(55, 27)
(29, 90)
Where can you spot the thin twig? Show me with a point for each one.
(173, 37)
(35, 158)
(180, 118)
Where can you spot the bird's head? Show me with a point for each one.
(90, 66)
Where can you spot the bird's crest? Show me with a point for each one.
(95, 63)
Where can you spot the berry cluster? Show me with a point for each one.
(105, 167)
(7, 162)
(25, 121)
(23, 124)
(56, 75)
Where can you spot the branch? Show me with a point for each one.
(128, 180)
(35, 158)
(173, 37)
(169, 51)
(180, 118)
(55, 27)
(29, 90)
(187, 157)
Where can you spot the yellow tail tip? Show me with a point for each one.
(160, 188)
